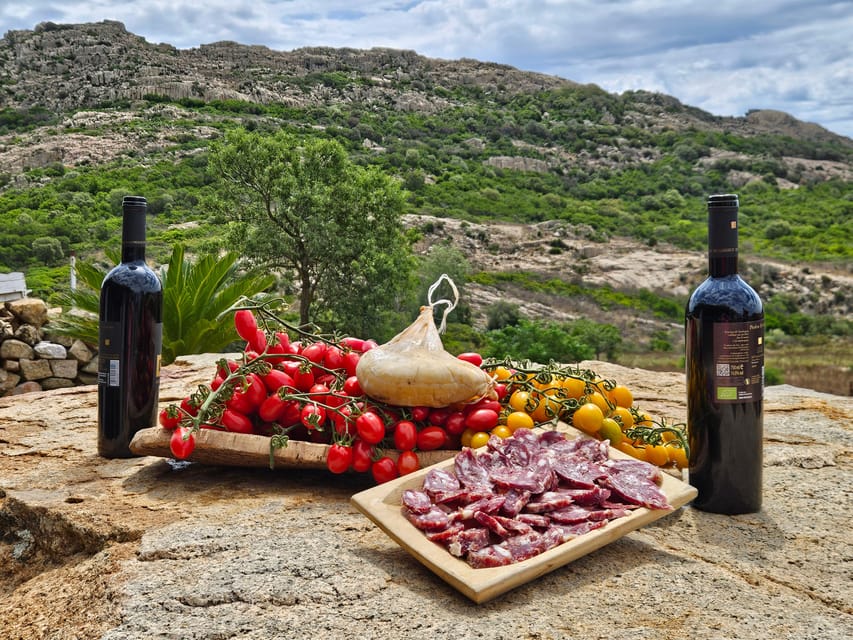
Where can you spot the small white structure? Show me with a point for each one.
(13, 286)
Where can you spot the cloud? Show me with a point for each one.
(726, 57)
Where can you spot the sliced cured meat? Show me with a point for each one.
(494, 555)
(578, 471)
(514, 501)
(527, 545)
(469, 470)
(440, 481)
(417, 501)
(635, 484)
(444, 536)
(469, 540)
(433, 520)
(491, 523)
(535, 476)
(523, 495)
(534, 520)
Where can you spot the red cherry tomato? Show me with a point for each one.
(342, 420)
(405, 435)
(420, 414)
(352, 387)
(438, 417)
(339, 458)
(258, 344)
(275, 379)
(272, 408)
(482, 420)
(384, 470)
(235, 421)
(351, 359)
(474, 358)
(355, 344)
(431, 438)
(334, 358)
(170, 417)
(455, 423)
(362, 456)
(312, 416)
(370, 428)
(190, 405)
(407, 462)
(315, 352)
(245, 323)
(303, 379)
(182, 443)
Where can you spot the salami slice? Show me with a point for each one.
(440, 481)
(469, 540)
(494, 555)
(433, 520)
(470, 471)
(417, 501)
(634, 483)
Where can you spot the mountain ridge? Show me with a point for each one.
(59, 66)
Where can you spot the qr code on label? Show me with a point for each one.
(723, 370)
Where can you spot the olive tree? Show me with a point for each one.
(301, 207)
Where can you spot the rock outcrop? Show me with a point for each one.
(150, 548)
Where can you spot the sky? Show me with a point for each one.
(724, 56)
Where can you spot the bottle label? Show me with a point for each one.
(109, 354)
(738, 361)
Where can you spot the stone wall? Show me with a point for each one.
(29, 361)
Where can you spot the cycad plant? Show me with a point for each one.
(196, 297)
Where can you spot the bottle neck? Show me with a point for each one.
(133, 231)
(722, 236)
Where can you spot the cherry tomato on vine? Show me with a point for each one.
(190, 405)
(258, 344)
(439, 416)
(170, 417)
(351, 359)
(370, 428)
(312, 416)
(482, 420)
(431, 438)
(339, 458)
(352, 387)
(245, 323)
(182, 443)
(420, 414)
(405, 435)
(342, 420)
(455, 423)
(479, 439)
(333, 358)
(384, 470)
(315, 352)
(272, 408)
(235, 421)
(407, 462)
(474, 358)
(275, 379)
(362, 456)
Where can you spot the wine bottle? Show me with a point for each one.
(130, 339)
(724, 344)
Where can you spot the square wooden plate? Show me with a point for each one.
(382, 505)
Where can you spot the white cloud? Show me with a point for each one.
(725, 57)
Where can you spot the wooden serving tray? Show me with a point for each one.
(246, 450)
(382, 505)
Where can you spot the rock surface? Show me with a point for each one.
(149, 548)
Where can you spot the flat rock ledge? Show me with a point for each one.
(150, 548)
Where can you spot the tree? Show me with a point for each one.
(302, 207)
(537, 341)
(603, 339)
(196, 298)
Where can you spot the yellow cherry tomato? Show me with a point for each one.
(623, 416)
(574, 387)
(501, 373)
(519, 420)
(588, 418)
(518, 400)
(600, 401)
(479, 439)
(502, 431)
(678, 456)
(622, 396)
(465, 438)
(657, 455)
(610, 430)
(645, 420)
(625, 446)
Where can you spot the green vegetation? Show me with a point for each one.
(601, 170)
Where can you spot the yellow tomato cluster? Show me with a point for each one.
(604, 411)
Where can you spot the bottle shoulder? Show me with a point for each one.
(136, 275)
(731, 292)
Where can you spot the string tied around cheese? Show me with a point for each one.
(449, 305)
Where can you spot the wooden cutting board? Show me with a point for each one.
(245, 450)
(382, 505)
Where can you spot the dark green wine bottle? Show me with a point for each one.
(724, 342)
